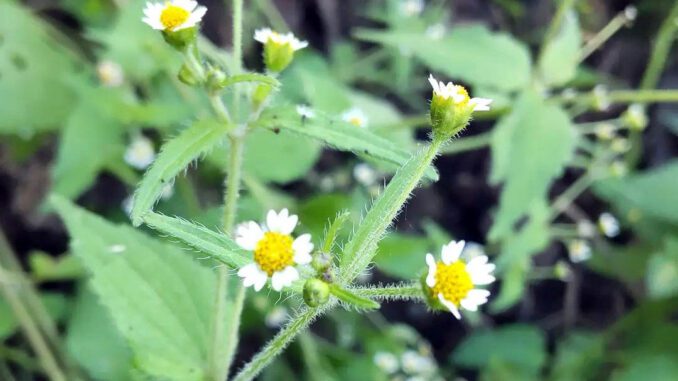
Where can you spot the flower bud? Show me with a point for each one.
(451, 108)
(316, 292)
(278, 48)
(215, 79)
(601, 98)
(187, 76)
(321, 262)
(180, 39)
(635, 117)
(260, 95)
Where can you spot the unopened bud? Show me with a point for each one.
(187, 76)
(278, 48)
(215, 80)
(316, 292)
(635, 117)
(601, 99)
(180, 39)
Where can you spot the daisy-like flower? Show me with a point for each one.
(174, 15)
(411, 8)
(452, 282)
(355, 116)
(579, 250)
(275, 251)
(609, 225)
(458, 94)
(110, 73)
(305, 111)
(140, 153)
(386, 361)
(266, 36)
(278, 48)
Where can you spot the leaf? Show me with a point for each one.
(91, 326)
(402, 255)
(249, 77)
(338, 134)
(530, 147)
(650, 193)
(522, 346)
(351, 299)
(579, 357)
(360, 250)
(473, 54)
(55, 304)
(662, 271)
(649, 368)
(45, 267)
(34, 66)
(263, 156)
(216, 245)
(160, 300)
(558, 64)
(175, 155)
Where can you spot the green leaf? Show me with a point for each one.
(360, 250)
(651, 194)
(558, 64)
(530, 147)
(216, 245)
(55, 304)
(521, 346)
(174, 157)
(662, 271)
(263, 156)
(34, 66)
(95, 343)
(338, 134)
(649, 368)
(249, 77)
(351, 299)
(579, 357)
(402, 255)
(45, 267)
(473, 54)
(160, 299)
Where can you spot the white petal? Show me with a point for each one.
(302, 247)
(480, 272)
(450, 306)
(469, 304)
(434, 83)
(262, 35)
(281, 222)
(481, 104)
(248, 234)
(452, 251)
(284, 278)
(289, 223)
(188, 5)
(253, 276)
(194, 18)
(431, 277)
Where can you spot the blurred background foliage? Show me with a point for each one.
(526, 182)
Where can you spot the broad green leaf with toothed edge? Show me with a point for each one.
(159, 298)
(560, 60)
(174, 156)
(338, 134)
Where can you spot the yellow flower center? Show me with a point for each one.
(274, 252)
(453, 281)
(173, 16)
(356, 121)
(462, 91)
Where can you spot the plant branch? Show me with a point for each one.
(403, 291)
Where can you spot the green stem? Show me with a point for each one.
(219, 108)
(409, 291)
(601, 37)
(20, 358)
(237, 52)
(627, 96)
(467, 144)
(570, 194)
(281, 340)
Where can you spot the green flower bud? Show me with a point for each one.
(321, 261)
(278, 48)
(260, 95)
(181, 39)
(635, 117)
(316, 292)
(187, 76)
(215, 79)
(601, 98)
(452, 108)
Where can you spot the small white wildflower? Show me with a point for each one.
(355, 116)
(630, 13)
(173, 15)
(411, 8)
(305, 111)
(140, 153)
(458, 94)
(415, 364)
(605, 131)
(585, 229)
(452, 281)
(110, 73)
(608, 224)
(601, 99)
(364, 174)
(386, 361)
(436, 31)
(275, 251)
(569, 94)
(276, 317)
(579, 250)
(620, 145)
(266, 35)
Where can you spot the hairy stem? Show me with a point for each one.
(601, 37)
(570, 194)
(407, 291)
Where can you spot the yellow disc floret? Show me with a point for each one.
(452, 281)
(274, 252)
(173, 16)
(461, 91)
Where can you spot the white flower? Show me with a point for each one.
(414, 363)
(436, 31)
(601, 98)
(579, 250)
(630, 13)
(305, 112)
(386, 361)
(267, 35)
(355, 116)
(110, 73)
(364, 174)
(140, 153)
(276, 317)
(275, 251)
(585, 229)
(609, 225)
(173, 15)
(411, 7)
(458, 94)
(453, 282)
(605, 131)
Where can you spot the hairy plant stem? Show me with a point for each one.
(220, 353)
(601, 37)
(570, 194)
(406, 291)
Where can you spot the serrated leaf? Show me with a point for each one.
(558, 63)
(481, 347)
(352, 299)
(337, 134)
(175, 155)
(216, 245)
(34, 66)
(473, 54)
(530, 147)
(159, 298)
(361, 248)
